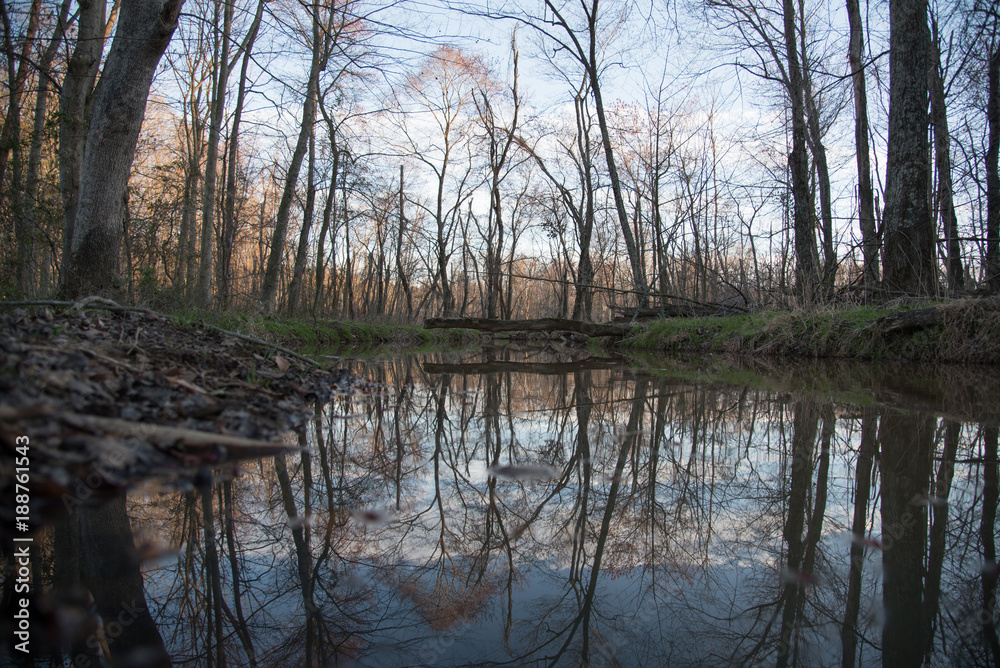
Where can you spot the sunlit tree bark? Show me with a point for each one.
(75, 111)
(144, 30)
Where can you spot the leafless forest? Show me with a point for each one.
(391, 161)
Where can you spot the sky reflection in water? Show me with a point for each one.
(478, 514)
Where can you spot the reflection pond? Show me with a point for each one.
(504, 508)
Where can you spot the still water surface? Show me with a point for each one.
(503, 508)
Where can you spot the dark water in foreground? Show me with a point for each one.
(524, 512)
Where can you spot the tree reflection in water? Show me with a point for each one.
(683, 524)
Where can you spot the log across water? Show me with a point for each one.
(535, 325)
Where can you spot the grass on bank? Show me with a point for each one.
(329, 335)
(955, 331)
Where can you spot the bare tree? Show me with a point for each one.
(443, 89)
(269, 289)
(908, 253)
(866, 203)
(942, 160)
(993, 155)
(74, 111)
(778, 54)
(144, 30)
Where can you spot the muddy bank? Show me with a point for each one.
(109, 400)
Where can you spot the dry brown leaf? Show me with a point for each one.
(281, 362)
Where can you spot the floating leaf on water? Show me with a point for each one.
(799, 578)
(523, 472)
(861, 540)
(372, 516)
(929, 501)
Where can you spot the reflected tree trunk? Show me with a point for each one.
(805, 423)
(583, 620)
(907, 442)
(214, 577)
(987, 534)
(938, 504)
(237, 575)
(111, 571)
(859, 528)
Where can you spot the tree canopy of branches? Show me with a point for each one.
(334, 158)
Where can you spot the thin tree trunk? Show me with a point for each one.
(866, 203)
(299, 269)
(229, 209)
(328, 216)
(942, 158)
(806, 257)
(10, 144)
(204, 294)
(400, 271)
(41, 117)
(829, 273)
(269, 289)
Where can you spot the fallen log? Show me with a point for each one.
(535, 325)
(905, 321)
(539, 368)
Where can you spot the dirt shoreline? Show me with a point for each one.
(111, 399)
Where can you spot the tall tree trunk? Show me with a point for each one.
(41, 118)
(329, 216)
(221, 84)
(635, 261)
(17, 76)
(829, 272)
(302, 251)
(993, 175)
(10, 144)
(866, 203)
(806, 256)
(404, 281)
(74, 113)
(907, 441)
(144, 30)
(229, 209)
(942, 159)
(269, 289)
(908, 255)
